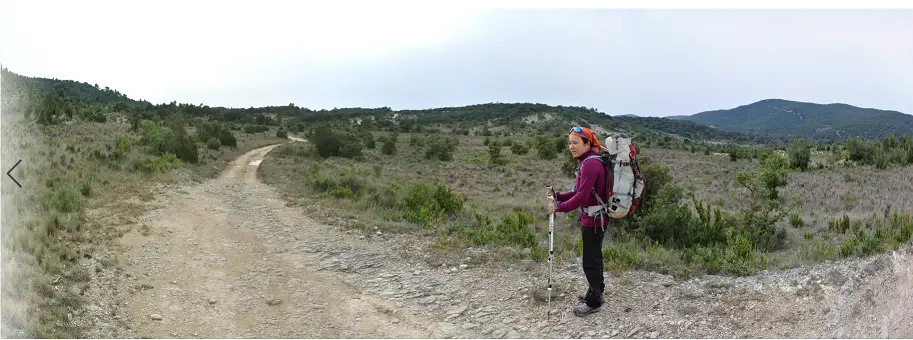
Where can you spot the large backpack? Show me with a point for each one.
(624, 181)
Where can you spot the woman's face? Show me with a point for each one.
(576, 146)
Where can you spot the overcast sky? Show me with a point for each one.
(645, 62)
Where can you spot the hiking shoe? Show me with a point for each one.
(581, 309)
(582, 298)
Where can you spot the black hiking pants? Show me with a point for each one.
(592, 264)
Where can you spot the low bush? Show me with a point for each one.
(512, 229)
(425, 203)
(336, 143)
(440, 148)
(163, 163)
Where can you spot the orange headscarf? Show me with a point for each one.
(587, 135)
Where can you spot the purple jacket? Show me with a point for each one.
(592, 174)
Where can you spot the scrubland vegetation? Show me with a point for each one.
(705, 213)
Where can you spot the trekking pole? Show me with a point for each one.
(551, 252)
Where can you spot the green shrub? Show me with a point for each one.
(569, 165)
(228, 139)
(519, 148)
(368, 141)
(213, 144)
(816, 252)
(840, 225)
(799, 153)
(161, 140)
(494, 153)
(389, 146)
(657, 177)
(863, 243)
(332, 143)
(157, 138)
(441, 148)
(65, 199)
(560, 144)
(416, 140)
(185, 149)
(796, 221)
(157, 164)
(255, 128)
(384, 197)
(621, 256)
(545, 147)
(121, 147)
(887, 234)
(512, 230)
(426, 203)
(86, 189)
(206, 131)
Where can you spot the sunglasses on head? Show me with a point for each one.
(577, 129)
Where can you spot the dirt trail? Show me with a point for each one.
(224, 263)
(230, 259)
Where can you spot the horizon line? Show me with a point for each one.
(6, 68)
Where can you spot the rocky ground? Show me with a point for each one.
(229, 258)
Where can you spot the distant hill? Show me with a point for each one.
(73, 99)
(826, 122)
(15, 85)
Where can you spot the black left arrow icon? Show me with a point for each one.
(11, 176)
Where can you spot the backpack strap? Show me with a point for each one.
(580, 165)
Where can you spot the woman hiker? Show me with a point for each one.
(582, 143)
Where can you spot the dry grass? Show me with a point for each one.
(45, 224)
(711, 175)
(861, 192)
